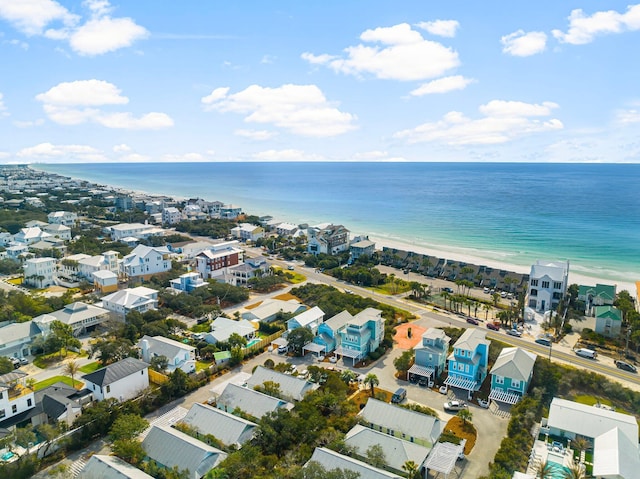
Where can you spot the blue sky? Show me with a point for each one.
(99, 81)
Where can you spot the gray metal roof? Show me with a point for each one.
(225, 427)
(161, 346)
(339, 320)
(110, 467)
(252, 402)
(412, 423)
(116, 371)
(470, 339)
(170, 447)
(514, 363)
(290, 386)
(332, 460)
(18, 331)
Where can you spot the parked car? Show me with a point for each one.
(455, 406)
(348, 291)
(23, 361)
(586, 353)
(448, 290)
(423, 382)
(16, 362)
(485, 290)
(443, 389)
(544, 341)
(471, 320)
(503, 294)
(493, 326)
(484, 403)
(283, 349)
(399, 396)
(514, 332)
(626, 366)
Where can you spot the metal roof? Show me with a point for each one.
(252, 402)
(514, 363)
(290, 386)
(225, 427)
(116, 371)
(110, 467)
(332, 460)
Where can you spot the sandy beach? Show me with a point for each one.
(469, 258)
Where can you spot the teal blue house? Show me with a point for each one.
(328, 335)
(511, 375)
(361, 335)
(469, 361)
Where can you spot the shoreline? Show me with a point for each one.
(439, 251)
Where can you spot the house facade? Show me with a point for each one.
(40, 272)
(65, 218)
(251, 268)
(58, 231)
(179, 355)
(362, 248)
(80, 316)
(548, 282)
(216, 260)
(430, 355)
(122, 380)
(15, 397)
(598, 295)
(331, 239)
(328, 334)
(608, 321)
(105, 282)
(468, 362)
(361, 335)
(30, 235)
(511, 375)
(187, 282)
(137, 230)
(122, 302)
(171, 216)
(17, 339)
(247, 232)
(310, 319)
(145, 261)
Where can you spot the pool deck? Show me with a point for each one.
(546, 452)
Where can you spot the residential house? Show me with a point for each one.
(328, 334)
(146, 261)
(179, 355)
(469, 360)
(102, 466)
(30, 235)
(15, 397)
(400, 422)
(430, 355)
(5, 238)
(107, 261)
(17, 339)
(58, 403)
(361, 335)
(82, 317)
(608, 321)
(331, 460)
(58, 231)
(188, 250)
(511, 375)
(598, 295)
(17, 252)
(230, 430)
(548, 282)
(40, 272)
(122, 302)
(64, 218)
(251, 268)
(171, 448)
(292, 388)
(286, 229)
(105, 282)
(230, 212)
(187, 282)
(362, 248)
(268, 310)
(254, 403)
(331, 239)
(122, 380)
(216, 260)
(137, 230)
(310, 319)
(194, 212)
(222, 328)
(171, 216)
(616, 456)
(397, 451)
(247, 232)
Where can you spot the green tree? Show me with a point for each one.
(159, 363)
(127, 426)
(403, 362)
(574, 470)
(24, 436)
(412, 470)
(298, 338)
(372, 381)
(375, 456)
(129, 450)
(236, 340)
(270, 387)
(6, 366)
(465, 415)
(64, 333)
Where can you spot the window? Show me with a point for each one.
(2, 413)
(14, 409)
(453, 366)
(545, 284)
(499, 380)
(534, 282)
(109, 389)
(557, 285)
(1, 393)
(534, 292)
(515, 383)
(29, 402)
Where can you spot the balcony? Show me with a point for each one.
(17, 391)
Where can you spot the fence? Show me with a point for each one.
(262, 344)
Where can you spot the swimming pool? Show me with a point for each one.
(558, 470)
(253, 341)
(6, 456)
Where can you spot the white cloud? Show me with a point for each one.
(443, 85)
(98, 35)
(626, 117)
(258, 135)
(77, 102)
(524, 44)
(503, 122)
(584, 28)
(18, 43)
(299, 109)
(403, 55)
(3, 108)
(121, 148)
(443, 28)
(286, 155)
(28, 123)
(45, 151)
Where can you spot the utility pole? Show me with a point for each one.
(626, 347)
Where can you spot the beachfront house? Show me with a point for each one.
(361, 335)
(247, 232)
(256, 404)
(364, 247)
(430, 356)
(230, 430)
(122, 380)
(40, 272)
(331, 460)
(327, 239)
(187, 282)
(598, 295)
(286, 229)
(511, 375)
(468, 362)
(292, 388)
(548, 282)
(179, 355)
(310, 319)
(215, 261)
(171, 215)
(230, 212)
(136, 230)
(121, 303)
(64, 218)
(145, 261)
(397, 421)
(608, 321)
(328, 334)
(222, 328)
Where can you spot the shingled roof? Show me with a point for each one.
(116, 371)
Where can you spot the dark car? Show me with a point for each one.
(471, 320)
(626, 366)
(448, 290)
(544, 341)
(493, 326)
(423, 382)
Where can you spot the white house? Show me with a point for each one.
(122, 380)
(65, 218)
(548, 282)
(137, 230)
(17, 338)
(80, 316)
(39, 272)
(145, 261)
(331, 239)
(139, 299)
(286, 229)
(310, 319)
(15, 397)
(222, 328)
(249, 401)
(30, 235)
(107, 261)
(187, 282)
(171, 215)
(251, 268)
(102, 466)
(105, 281)
(179, 355)
(247, 232)
(58, 231)
(230, 430)
(269, 309)
(291, 387)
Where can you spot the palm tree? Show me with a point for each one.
(445, 295)
(543, 470)
(412, 470)
(574, 470)
(372, 380)
(487, 308)
(580, 444)
(465, 415)
(72, 368)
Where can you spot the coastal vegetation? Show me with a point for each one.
(214, 228)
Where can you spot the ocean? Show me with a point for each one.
(513, 213)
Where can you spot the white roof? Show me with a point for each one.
(339, 320)
(290, 386)
(332, 460)
(557, 271)
(76, 312)
(514, 363)
(223, 328)
(164, 346)
(270, 307)
(615, 456)
(590, 421)
(110, 467)
(309, 316)
(104, 274)
(129, 298)
(443, 457)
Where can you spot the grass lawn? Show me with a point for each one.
(65, 379)
(91, 367)
(15, 281)
(391, 289)
(45, 361)
(591, 400)
(202, 365)
(295, 278)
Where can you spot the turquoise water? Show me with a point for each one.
(7, 455)
(253, 341)
(513, 213)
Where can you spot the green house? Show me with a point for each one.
(608, 320)
(511, 375)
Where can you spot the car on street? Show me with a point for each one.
(586, 353)
(348, 291)
(514, 332)
(455, 406)
(486, 290)
(471, 320)
(493, 326)
(544, 341)
(626, 366)
(448, 290)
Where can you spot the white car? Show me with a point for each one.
(514, 332)
(454, 406)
